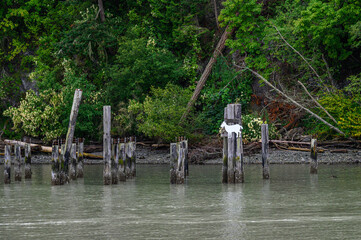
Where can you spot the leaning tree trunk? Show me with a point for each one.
(207, 71)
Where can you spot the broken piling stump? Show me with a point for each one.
(114, 162)
(55, 164)
(27, 160)
(17, 163)
(238, 170)
(265, 147)
(313, 160)
(80, 159)
(121, 161)
(7, 164)
(73, 163)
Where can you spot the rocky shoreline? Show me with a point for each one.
(147, 155)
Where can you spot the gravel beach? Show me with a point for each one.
(147, 155)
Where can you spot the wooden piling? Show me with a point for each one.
(63, 172)
(180, 167)
(55, 164)
(17, 163)
(128, 161)
(313, 161)
(80, 158)
(7, 164)
(114, 162)
(73, 163)
(173, 163)
(238, 172)
(225, 160)
(70, 133)
(231, 157)
(265, 146)
(27, 160)
(133, 169)
(107, 145)
(186, 167)
(121, 162)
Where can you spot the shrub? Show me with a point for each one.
(252, 128)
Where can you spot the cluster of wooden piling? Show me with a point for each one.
(119, 155)
(18, 162)
(232, 168)
(60, 172)
(179, 161)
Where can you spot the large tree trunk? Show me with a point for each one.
(101, 10)
(207, 71)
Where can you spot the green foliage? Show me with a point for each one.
(158, 117)
(139, 66)
(347, 112)
(252, 128)
(354, 88)
(38, 116)
(223, 87)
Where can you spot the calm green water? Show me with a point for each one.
(292, 205)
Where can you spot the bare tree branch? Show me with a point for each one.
(317, 103)
(293, 101)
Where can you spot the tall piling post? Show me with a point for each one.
(128, 163)
(107, 145)
(121, 161)
(70, 133)
(238, 173)
(313, 161)
(80, 158)
(73, 162)
(17, 163)
(7, 165)
(55, 164)
(27, 160)
(265, 148)
(173, 163)
(132, 157)
(114, 162)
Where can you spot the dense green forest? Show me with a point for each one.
(144, 58)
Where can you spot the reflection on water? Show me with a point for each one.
(291, 205)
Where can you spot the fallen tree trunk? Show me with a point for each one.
(45, 149)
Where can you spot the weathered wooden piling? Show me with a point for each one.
(225, 160)
(232, 168)
(55, 164)
(132, 146)
(186, 167)
(63, 172)
(238, 171)
(70, 133)
(114, 162)
(265, 146)
(17, 163)
(121, 161)
(313, 160)
(7, 164)
(73, 163)
(80, 158)
(128, 162)
(107, 145)
(173, 163)
(27, 160)
(180, 167)
(232, 144)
